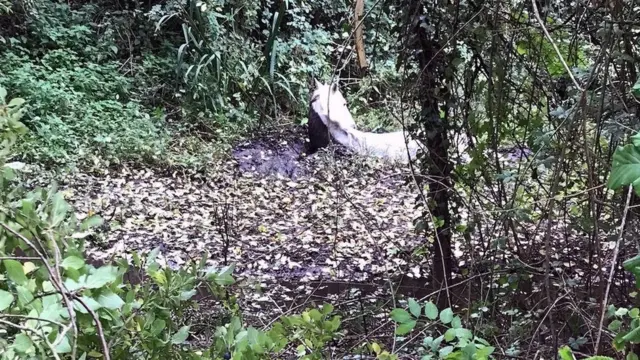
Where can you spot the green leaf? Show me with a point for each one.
(15, 271)
(157, 326)
(88, 302)
(414, 308)
(101, 277)
(615, 325)
(456, 323)
(186, 295)
(64, 346)
(462, 333)
(632, 336)
(406, 327)
(431, 310)
(450, 335)
(180, 336)
(446, 315)
(110, 301)
(22, 343)
(72, 262)
(24, 295)
(625, 168)
(6, 299)
(16, 102)
(91, 222)
(400, 316)
(445, 351)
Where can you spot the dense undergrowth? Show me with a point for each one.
(177, 82)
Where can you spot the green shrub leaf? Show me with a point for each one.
(400, 315)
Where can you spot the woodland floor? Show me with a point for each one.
(327, 227)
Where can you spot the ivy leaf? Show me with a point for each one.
(414, 308)
(431, 310)
(406, 327)
(6, 299)
(446, 315)
(625, 168)
(180, 336)
(400, 316)
(15, 271)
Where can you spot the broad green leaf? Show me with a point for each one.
(64, 346)
(463, 333)
(15, 102)
(446, 315)
(15, 271)
(450, 335)
(445, 351)
(157, 326)
(186, 295)
(414, 308)
(25, 296)
(431, 310)
(456, 322)
(101, 277)
(632, 336)
(615, 325)
(405, 327)
(625, 169)
(88, 302)
(22, 343)
(110, 301)
(180, 336)
(6, 299)
(400, 315)
(72, 262)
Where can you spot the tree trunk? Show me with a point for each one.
(434, 128)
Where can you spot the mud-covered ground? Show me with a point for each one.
(301, 230)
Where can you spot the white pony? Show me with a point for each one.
(331, 107)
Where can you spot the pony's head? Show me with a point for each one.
(331, 106)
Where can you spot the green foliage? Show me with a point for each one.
(625, 168)
(459, 342)
(566, 353)
(79, 113)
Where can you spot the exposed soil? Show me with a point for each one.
(301, 230)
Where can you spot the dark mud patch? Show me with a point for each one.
(282, 152)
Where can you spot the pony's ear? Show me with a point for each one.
(317, 83)
(334, 87)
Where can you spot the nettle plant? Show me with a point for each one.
(456, 343)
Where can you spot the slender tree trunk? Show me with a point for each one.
(433, 121)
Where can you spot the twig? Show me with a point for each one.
(96, 319)
(555, 47)
(616, 251)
